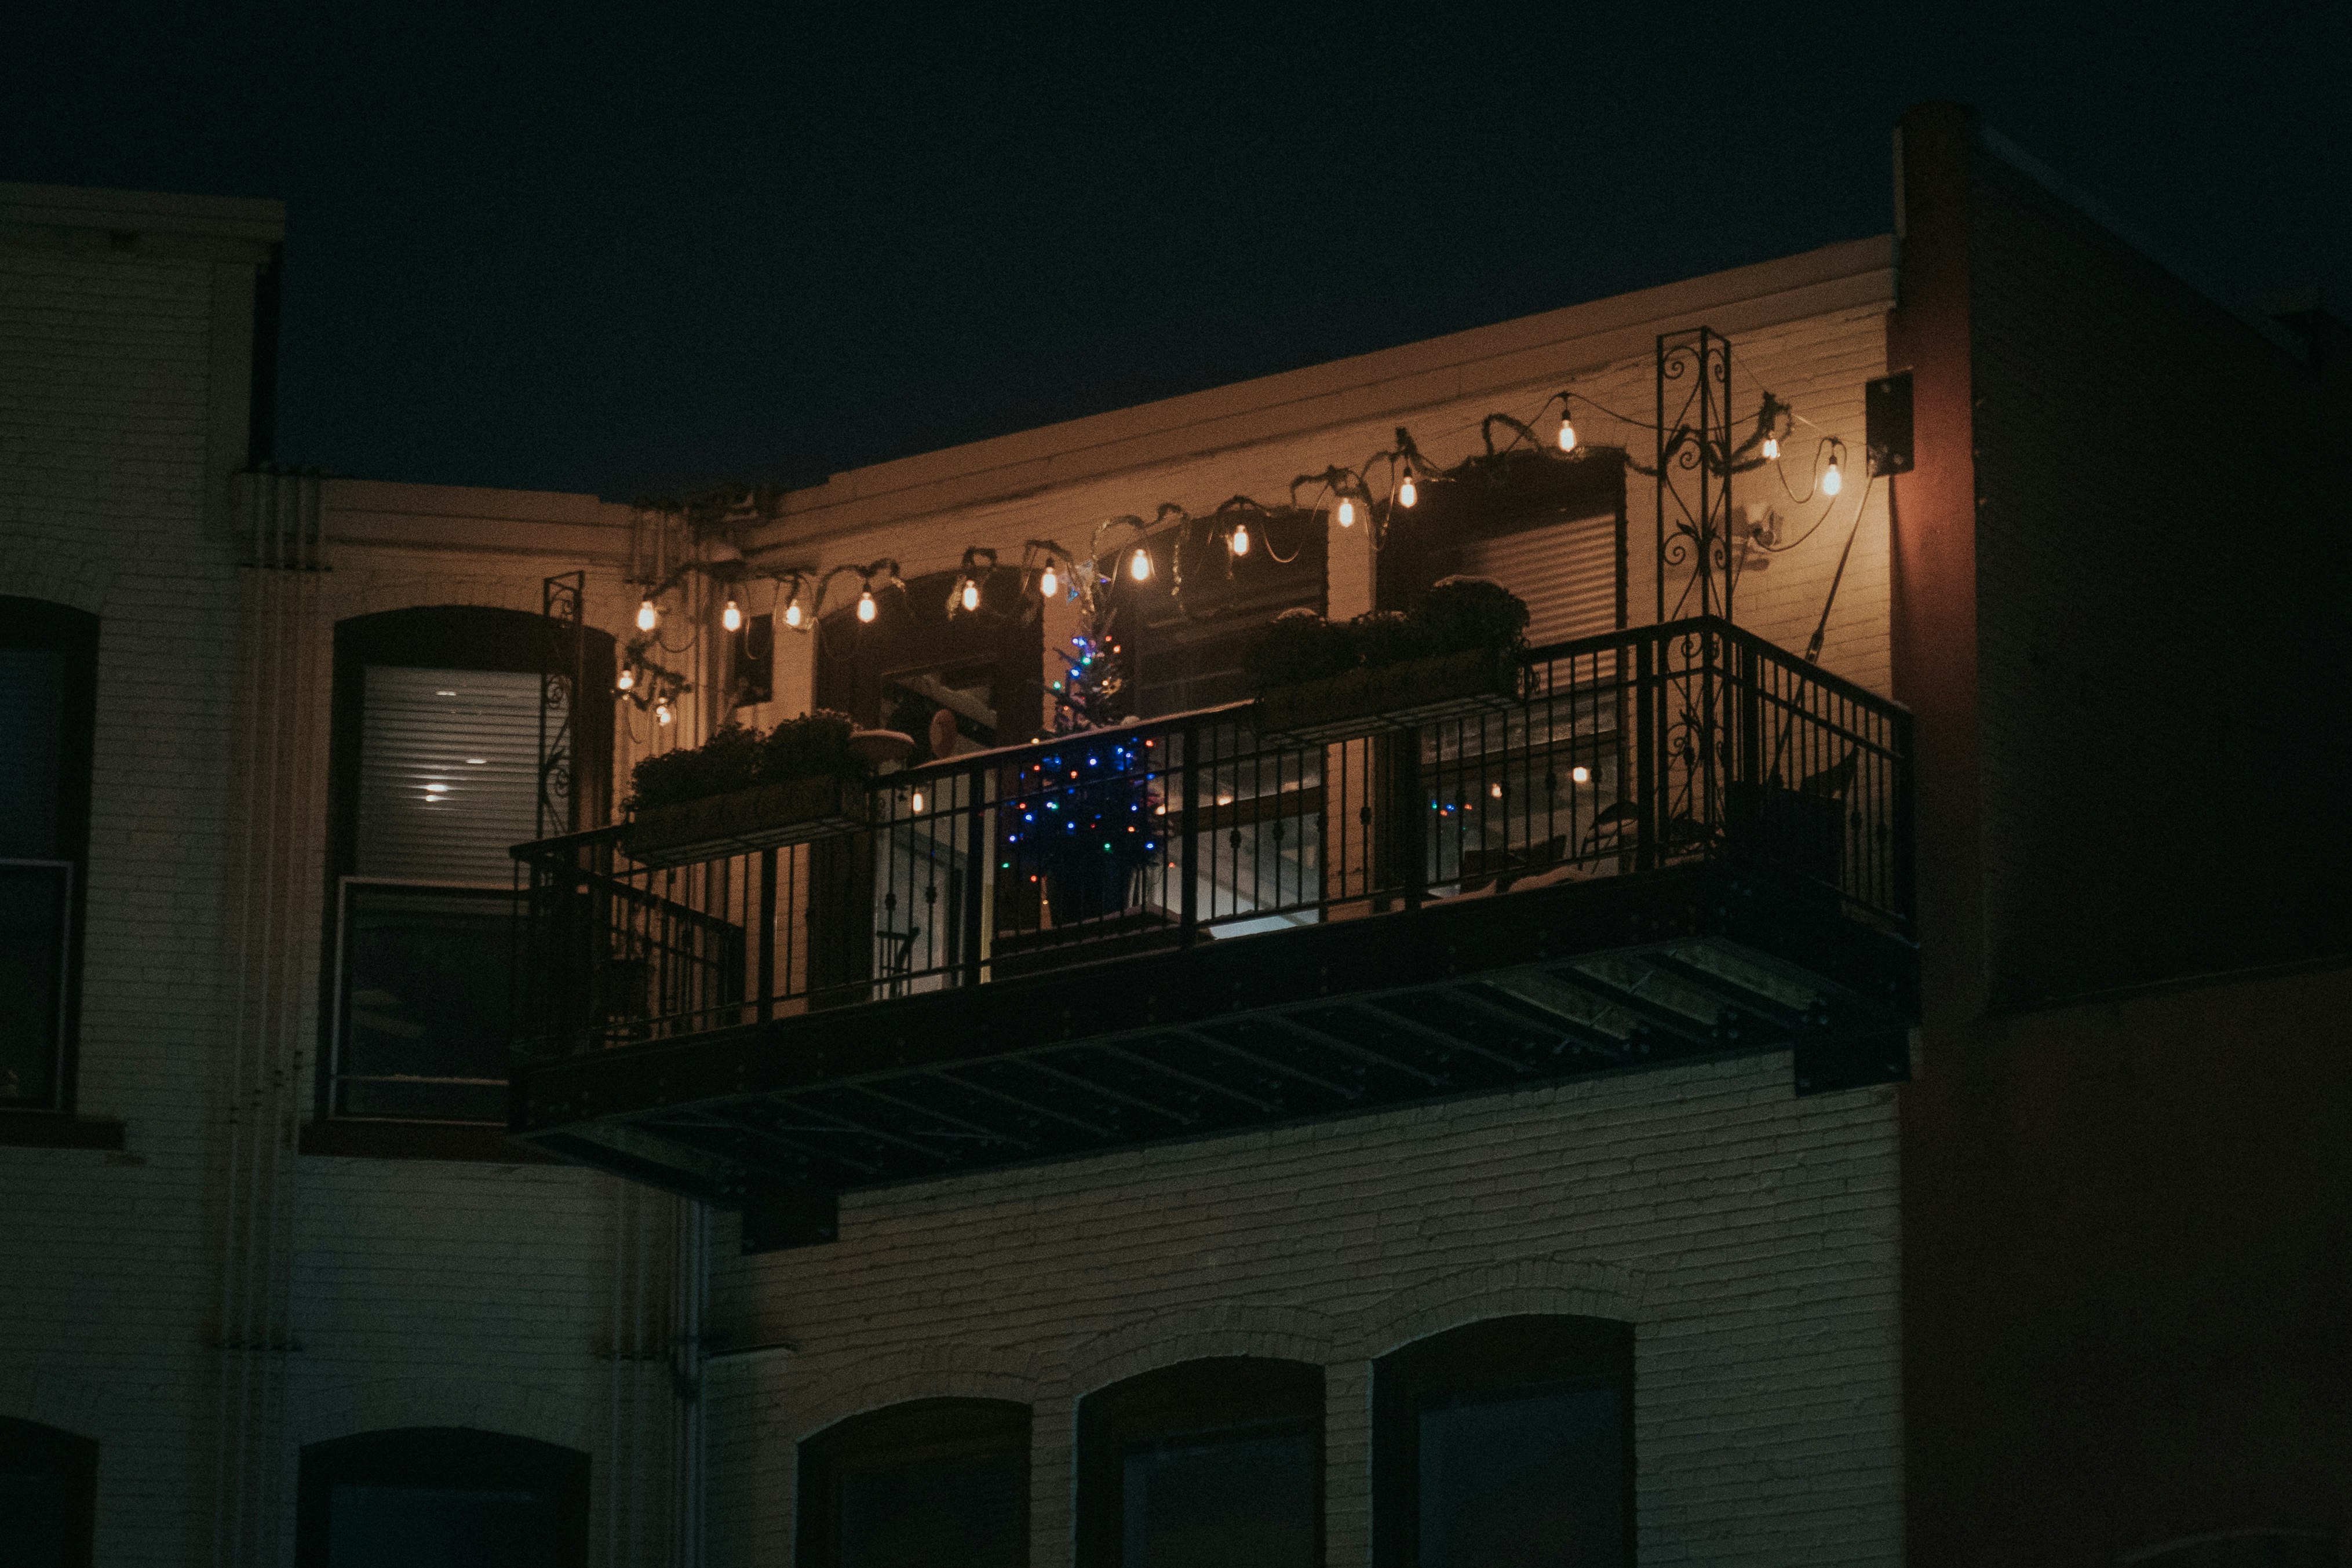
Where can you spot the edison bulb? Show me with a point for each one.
(1408, 492)
(1346, 512)
(866, 606)
(645, 616)
(792, 613)
(733, 617)
(1241, 538)
(1580, 773)
(1832, 480)
(628, 680)
(919, 803)
(970, 595)
(661, 712)
(1138, 566)
(1771, 449)
(1567, 433)
(1048, 583)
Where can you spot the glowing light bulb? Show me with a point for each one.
(1567, 433)
(1048, 583)
(1346, 512)
(970, 595)
(733, 617)
(645, 615)
(1771, 449)
(1494, 790)
(628, 681)
(662, 713)
(1832, 480)
(1139, 565)
(866, 606)
(792, 613)
(919, 803)
(1408, 492)
(1241, 538)
(1581, 775)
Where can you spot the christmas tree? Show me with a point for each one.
(1085, 818)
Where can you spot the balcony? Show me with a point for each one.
(1671, 842)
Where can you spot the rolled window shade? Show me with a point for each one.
(448, 772)
(1566, 573)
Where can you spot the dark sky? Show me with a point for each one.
(633, 252)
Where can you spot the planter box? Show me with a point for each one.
(1393, 697)
(744, 820)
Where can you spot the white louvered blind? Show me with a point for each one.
(449, 766)
(1566, 572)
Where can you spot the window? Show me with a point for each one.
(49, 670)
(439, 720)
(48, 1496)
(1506, 1444)
(752, 655)
(450, 1496)
(1187, 652)
(1555, 534)
(1204, 1464)
(929, 1482)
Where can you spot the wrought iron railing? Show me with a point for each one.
(1617, 755)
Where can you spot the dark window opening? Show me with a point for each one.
(1505, 1444)
(1208, 1462)
(929, 1482)
(48, 689)
(450, 1496)
(751, 653)
(1186, 652)
(48, 1496)
(916, 659)
(445, 723)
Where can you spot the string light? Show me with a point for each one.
(919, 803)
(662, 713)
(1581, 775)
(1567, 431)
(970, 594)
(792, 613)
(628, 681)
(1049, 584)
(733, 617)
(1408, 492)
(1832, 480)
(647, 615)
(1771, 449)
(865, 611)
(1241, 538)
(1346, 512)
(1139, 565)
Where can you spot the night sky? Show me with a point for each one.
(637, 252)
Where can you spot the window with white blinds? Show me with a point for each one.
(1566, 573)
(449, 765)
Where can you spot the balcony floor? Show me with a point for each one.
(1461, 996)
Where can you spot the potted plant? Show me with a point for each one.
(1457, 652)
(742, 791)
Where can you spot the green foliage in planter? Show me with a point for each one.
(1456, 615)
(735, 758)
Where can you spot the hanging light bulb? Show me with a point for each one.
(1346, 512)
(792, 613)
(1241, 538)
(628, 680)
(1567, 431)
(865, 604)
(1832, 480)
(1139, 565)
(1048, 583)
(1771, 449)
(970, 594)
(733, 617)
(919, 803)
(645, 615)
(662, 713)
(1408, 492)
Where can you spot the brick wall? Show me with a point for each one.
(1752, 1238)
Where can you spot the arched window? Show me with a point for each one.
(450, 1496)
(48, 1496)
(435, 767)
(48, 697)
(931, 1481)
(1506, 1444)
(1202, 1463)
